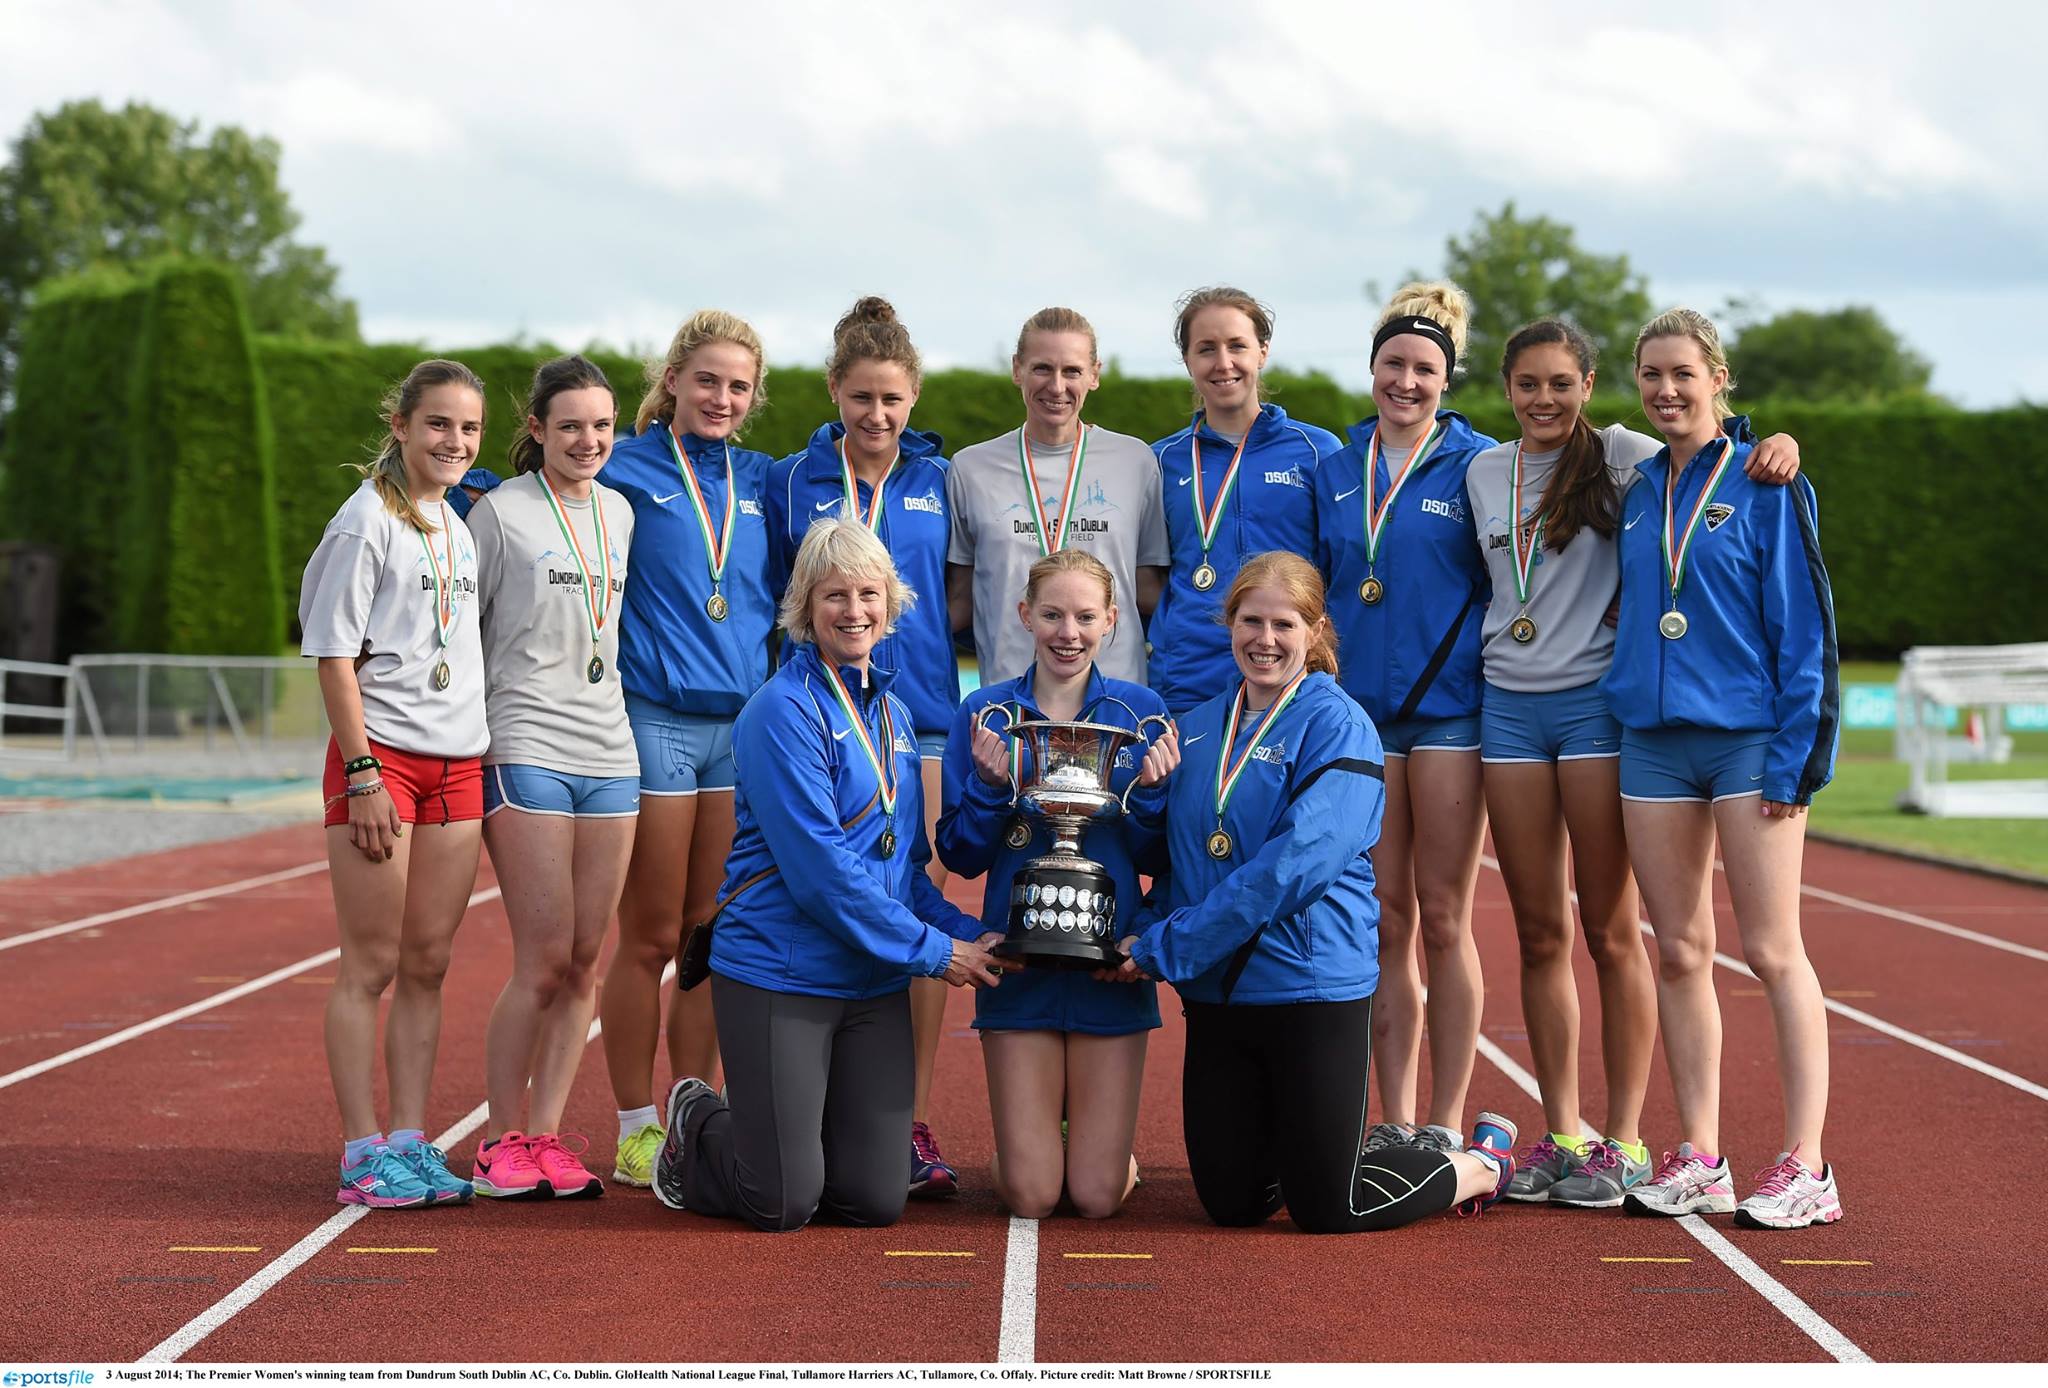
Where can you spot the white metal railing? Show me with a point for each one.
(60, 712)
(1935, 680)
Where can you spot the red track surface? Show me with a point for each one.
(218, 1132)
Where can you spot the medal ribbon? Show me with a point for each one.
(1075, 462)
(873, 519)
(444, 582)
(1208, 519)
(596, 608)
(1376, 516)
(1524, 563)
(885, 782)
(717, 547)
(1675, 554)
(1229, 772)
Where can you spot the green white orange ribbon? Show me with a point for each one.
(597, 608)
(1050, 541)
(1229, 770)
(718, 545)
(1524, 563)
(873, 519)
(1675, 554)
(884, 768)
(1376, 514)
(444, 580)
(1208, 517)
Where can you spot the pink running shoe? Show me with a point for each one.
(1683, 1184)
(1790, 1196)
(569, 1178)
(931, 1176)
(506, 1170)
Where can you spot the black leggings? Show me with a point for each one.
(1273, 1103)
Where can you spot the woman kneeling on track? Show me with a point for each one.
(826, 915)
(1058, 1044)
(562, 780)
(388, 607)
(1548, 512)
(1725, 680)
(1267, 925)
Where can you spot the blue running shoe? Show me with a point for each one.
(429, 1165)
(1493, 1142)
(383, 1182)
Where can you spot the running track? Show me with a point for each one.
(158, 1192)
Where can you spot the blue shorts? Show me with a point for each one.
(680, 753)
(537, 790)
(1697, 764)
(1431, 735)
(1561, 725)
(931, 746)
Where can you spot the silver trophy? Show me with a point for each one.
(1063, 908)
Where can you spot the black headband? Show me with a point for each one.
(1422, 327)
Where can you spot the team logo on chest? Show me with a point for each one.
(1718, 512)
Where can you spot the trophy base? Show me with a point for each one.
(1062, 915)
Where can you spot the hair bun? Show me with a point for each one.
(871, 309)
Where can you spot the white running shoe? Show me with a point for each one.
(1789, 1196)
(1683, 1184)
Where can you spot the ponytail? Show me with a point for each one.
(386, 468)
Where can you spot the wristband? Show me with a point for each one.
(366, 788)
(362, 763)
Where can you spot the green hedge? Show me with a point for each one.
(1926, 513)
(143, 450)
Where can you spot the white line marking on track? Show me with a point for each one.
(49, 932)
(1018, 1343)
(1875, 1023)
(240, 990)
(1890, 913)
(1809, 1321)
(181, 1341)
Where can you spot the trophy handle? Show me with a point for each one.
(1009, 721)
(1165, 724)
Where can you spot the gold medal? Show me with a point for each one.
(1371, 591)
(1205, 578)
(443, 675)
(595, 669)
(1672, 625)
(1019, 834)
(717, 607)
(1522, 629)
(1219, 844)
(888, 843)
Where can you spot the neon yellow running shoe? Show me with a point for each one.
(635, 1165)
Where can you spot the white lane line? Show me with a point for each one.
(1018, 1343)
(1875, 1023)
(50, 932)
(1925, 923)
(1788, 1303)
(240, 990)
(181, 1341)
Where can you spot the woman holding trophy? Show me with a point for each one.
(1268, 927)
(1059, 1043)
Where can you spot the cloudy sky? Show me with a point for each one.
(594, 170)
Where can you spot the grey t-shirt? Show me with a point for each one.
(1569, 591)
(542, 707)
(1117, 517)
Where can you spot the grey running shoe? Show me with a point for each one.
(668, 1164)
(1435, 1137)
(1600, 1182)
(1791, 1196)
(1539, 1167)
(1683, 1184)
(1381, 1136)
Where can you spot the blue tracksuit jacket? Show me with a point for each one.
(1759, 652)
(832, 917)
(1416, 653)
(807, 486)
(670, 651)
(1304, 818)
(1271, 509)
(972, 842)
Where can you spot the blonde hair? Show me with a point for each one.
(839, 544)
(1440, 301)
(386, 468)
(1691, 323)
(701, 329)
(870, 331)
(1057, 320)
(1298, 579)
(1070, 561)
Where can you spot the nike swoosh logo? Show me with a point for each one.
(1185, 480)
(1632, 524)
(1756, 778)
(1352, 492)
(665, 500)
(841, 734)
(1193, 740)
(829, 505)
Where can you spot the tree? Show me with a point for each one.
(1518, 268)
(1841, 354)
(86, 185)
